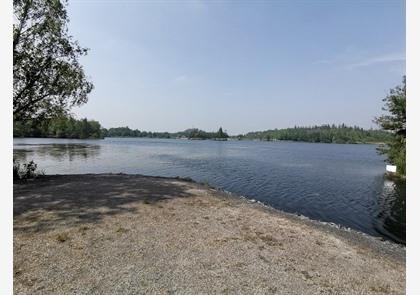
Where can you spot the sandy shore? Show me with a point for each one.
(128, 234)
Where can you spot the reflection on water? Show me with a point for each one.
(59, 152)
(343, 184)
(390, 210)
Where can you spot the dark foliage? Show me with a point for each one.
(47, 76)
(323, 133)
(25, 171)
(395, 122)
(193, 133)
(60, 127)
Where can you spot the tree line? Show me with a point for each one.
(59, 127)
(192, 133)
(127, 132)
(69, 127)
(324, 134)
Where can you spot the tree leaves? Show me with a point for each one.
(396, 107)
(395, 121)
(47, 76)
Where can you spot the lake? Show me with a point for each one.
(339, 183)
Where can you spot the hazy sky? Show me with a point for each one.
(244, 65)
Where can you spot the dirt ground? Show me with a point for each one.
(130, 234)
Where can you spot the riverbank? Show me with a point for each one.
(131, 234)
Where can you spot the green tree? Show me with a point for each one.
(324, 133)
(47, 76)
(221, 134)
(395, 121)
(59, 127)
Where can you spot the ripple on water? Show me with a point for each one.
(336, 183)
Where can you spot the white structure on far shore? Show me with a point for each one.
(391, 168)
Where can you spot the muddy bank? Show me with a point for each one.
(130, 234)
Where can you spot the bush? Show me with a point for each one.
(25, 171)
(396, 155)
(399, 159)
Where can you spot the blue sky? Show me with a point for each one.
(243, 65)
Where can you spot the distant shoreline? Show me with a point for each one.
(324, 133)
(204, 139)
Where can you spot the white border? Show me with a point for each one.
(413, 145)
(6, 154)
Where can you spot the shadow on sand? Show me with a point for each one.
(69, 200)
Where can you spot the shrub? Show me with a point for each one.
(25, 171)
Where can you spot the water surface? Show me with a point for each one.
(340, 183)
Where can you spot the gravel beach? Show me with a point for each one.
(132, 234)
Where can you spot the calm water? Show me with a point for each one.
(336, 183)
